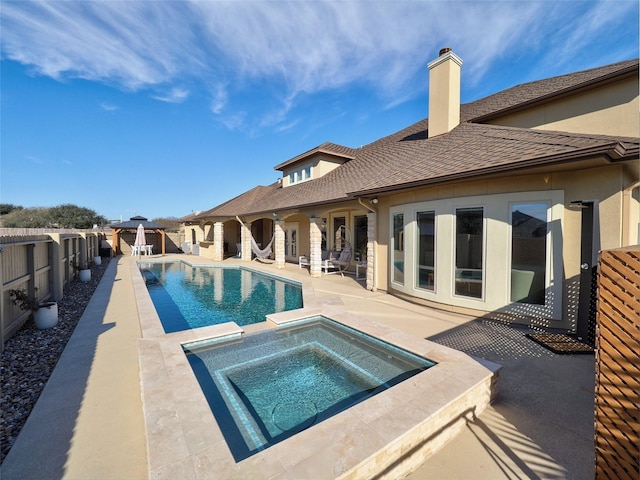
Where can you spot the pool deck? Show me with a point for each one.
(89, 421)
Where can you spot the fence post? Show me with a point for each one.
(56, 271)
(2, 319)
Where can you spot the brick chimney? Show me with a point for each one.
(444, 92)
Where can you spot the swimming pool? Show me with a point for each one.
(269, 386)
(187, 297)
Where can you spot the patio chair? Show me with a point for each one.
(340, 264)
(303, 261)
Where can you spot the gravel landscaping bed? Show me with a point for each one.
(30, 356)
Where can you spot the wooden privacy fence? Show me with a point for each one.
(617, 396)
(41, 264)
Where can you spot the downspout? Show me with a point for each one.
(627, 217)
(368, 207)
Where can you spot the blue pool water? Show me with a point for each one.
(268, 386)
(187, 297)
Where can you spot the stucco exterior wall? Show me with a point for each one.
(602, 185)
(609, 110)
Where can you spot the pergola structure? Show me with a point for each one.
(132, 225)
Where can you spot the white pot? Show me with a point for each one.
(46, 316)
(85, 275)
(97, 260)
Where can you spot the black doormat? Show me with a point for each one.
(560, 343)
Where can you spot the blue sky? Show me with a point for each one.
(162, 108)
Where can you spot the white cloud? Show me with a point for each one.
(33, 159)
(107, 107)
(297, 46)
(219, 100)
(175, 95)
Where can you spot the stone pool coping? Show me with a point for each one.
(387, 435)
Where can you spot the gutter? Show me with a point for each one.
(612, 152)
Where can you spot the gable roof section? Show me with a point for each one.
(540, 91)
(328, 148)
(133, 223)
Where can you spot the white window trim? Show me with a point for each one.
(496, 253)
(484, 251)
(415, 253)
(298, 175)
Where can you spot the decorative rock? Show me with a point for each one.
(30, 356)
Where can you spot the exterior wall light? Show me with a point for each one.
(374, 200)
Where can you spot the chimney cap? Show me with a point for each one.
(444, 50)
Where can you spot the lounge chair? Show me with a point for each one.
(340, 264)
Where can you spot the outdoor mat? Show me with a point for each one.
(560, 343)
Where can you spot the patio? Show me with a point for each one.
(88, 422)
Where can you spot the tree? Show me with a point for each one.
(62, 216)
(25, 218)
(8, 208)
(171, 224)
(72, 216)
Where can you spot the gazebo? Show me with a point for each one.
(132, 225)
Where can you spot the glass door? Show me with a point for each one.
(291, 242)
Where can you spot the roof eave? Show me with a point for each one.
(611, 152)
(603, 80)
(312, 153)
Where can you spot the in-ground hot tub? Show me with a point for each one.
(271, 385)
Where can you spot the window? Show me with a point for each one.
(339, 233)
(425, 270)
(528, 252)
(398, 248)
(469, 273)
(360, 237)
(300, 175)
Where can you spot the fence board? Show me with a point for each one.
(617, 410)
(39, 258)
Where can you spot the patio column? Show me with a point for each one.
(371, 251)
(218, 242)
(245, 238)
(315, 247)
(278, 241)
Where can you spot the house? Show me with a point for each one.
(497, 207)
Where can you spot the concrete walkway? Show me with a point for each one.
(88, 422)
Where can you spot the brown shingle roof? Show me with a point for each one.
(472, 149)
(541, 90)
(408, 158)
(523, 95)
(242, 204)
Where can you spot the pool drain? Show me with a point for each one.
(294, 416)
